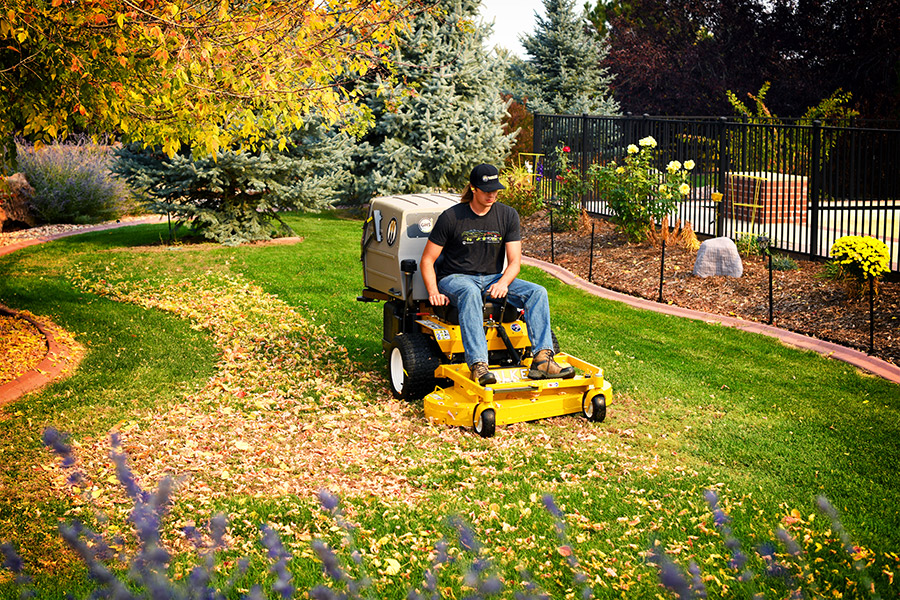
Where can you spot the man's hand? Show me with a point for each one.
(438, 299)
(498, 290)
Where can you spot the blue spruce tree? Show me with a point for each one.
(443, 114)
(563, 74)
(236, 196)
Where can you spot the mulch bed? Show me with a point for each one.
(803, 300)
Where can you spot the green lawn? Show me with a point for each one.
(254, 377)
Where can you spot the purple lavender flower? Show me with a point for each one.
(54, 440)
(670, 576)
(550, 505)
(697, 580)
(329, 560)
(329, 501)
(11, 559)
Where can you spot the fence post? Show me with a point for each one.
(720, 179)
(537, 143)
(584, 153)
(813, 189)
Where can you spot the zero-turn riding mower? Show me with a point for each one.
(423, 345)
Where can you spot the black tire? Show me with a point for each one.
(594, 407)
(411, 365)
(486, 423)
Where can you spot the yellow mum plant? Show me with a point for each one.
(858, 259)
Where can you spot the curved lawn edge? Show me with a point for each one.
(61, 360)
(861, 360)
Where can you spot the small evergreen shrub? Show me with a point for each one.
(858, 259)
(237, 195)
(73, 183)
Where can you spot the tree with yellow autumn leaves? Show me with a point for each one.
(206, 73)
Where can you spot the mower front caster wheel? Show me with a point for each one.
(593, 407)
(485, 423)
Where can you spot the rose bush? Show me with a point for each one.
(637, 192)
(570, 186)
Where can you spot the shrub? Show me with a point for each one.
(73, 183)
(569, 188)
(748, 245)
(521, 192)
(637, 192)
(783, 262)
(237, 195)
(857, 260)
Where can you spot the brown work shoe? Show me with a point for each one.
(482, 375)
(544, 367)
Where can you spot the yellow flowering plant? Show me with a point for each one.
(637, 192)
(522, 189)
(857, 259)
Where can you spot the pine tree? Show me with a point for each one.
(444, 115)
(237, 195)
(562, 73)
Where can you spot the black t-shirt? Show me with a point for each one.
(472, 244)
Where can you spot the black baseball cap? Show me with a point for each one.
(486, 178)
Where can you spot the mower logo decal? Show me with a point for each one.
(441, 334)
(516, 327)
(392, 232)
(510, 375)
(426, 224)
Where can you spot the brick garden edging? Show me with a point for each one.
(60, 360)
(863, 361)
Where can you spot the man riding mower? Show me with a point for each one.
(504, 381)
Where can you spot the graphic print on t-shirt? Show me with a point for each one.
(475, 236)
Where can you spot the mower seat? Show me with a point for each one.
(504, 313)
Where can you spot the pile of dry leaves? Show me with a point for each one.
(23, 348)
(803, 300)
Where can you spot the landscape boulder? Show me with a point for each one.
(718, 256)
(15, 193)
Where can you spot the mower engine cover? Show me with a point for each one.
(397, 229)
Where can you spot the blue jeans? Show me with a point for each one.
(466, 293)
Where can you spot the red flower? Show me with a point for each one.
(566, 149)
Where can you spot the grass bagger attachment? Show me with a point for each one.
(423, 345)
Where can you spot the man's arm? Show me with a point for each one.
(426, 265)
(513, 264)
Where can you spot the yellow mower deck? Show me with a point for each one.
(515, 398)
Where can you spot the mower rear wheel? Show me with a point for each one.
(593, 407)
(411, 365)
(485, 423)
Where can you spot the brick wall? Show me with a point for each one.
(764, 197)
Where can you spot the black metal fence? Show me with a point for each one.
(801, 186)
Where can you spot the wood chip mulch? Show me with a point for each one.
(803, 300)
